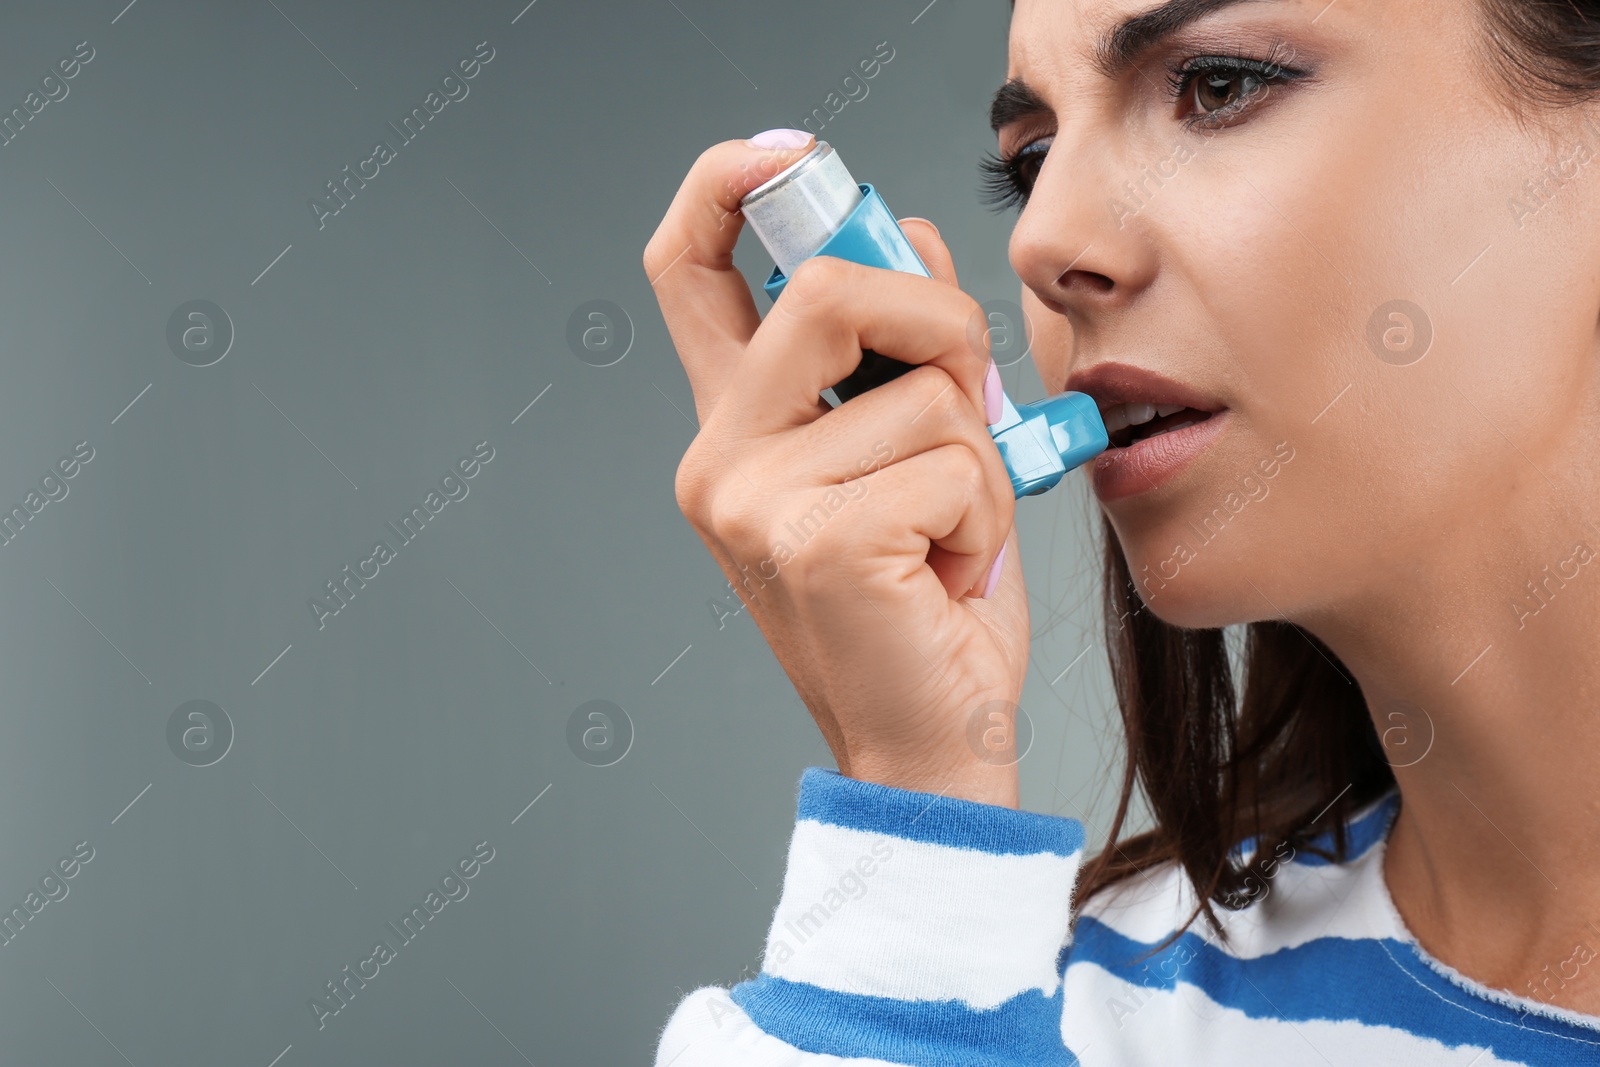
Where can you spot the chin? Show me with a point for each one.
(1186, 580)
(1200, 616)
(1193, 606)
(1215, 549)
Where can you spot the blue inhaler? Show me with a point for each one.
(814, 207)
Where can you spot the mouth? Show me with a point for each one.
(1130, 422)
(1154, 426)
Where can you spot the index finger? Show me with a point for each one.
(705, 301)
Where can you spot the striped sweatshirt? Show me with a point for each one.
(935, 931)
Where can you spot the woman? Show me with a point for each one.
(1332, 272)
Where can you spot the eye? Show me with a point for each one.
(1007, 181)
(1215, 90)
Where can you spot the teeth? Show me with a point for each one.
(1121, 416)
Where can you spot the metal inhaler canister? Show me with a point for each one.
(814, 207)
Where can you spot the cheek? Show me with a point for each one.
(1286, 332)
(1458, 326)
(1396, 330)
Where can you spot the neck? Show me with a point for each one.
(1482, 677)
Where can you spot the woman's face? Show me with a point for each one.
(1384, 286)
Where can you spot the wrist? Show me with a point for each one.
(973, 780)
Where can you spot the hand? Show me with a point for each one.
(859, 537)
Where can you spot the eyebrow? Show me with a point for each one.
(1115, 52)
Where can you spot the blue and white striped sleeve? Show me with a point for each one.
(913, 929)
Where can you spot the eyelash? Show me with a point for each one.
(1006, 180)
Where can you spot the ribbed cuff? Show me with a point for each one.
(918, 928)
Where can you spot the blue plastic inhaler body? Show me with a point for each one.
(1039, 442)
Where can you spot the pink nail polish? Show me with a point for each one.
(992, 392)
(994, 572)
(780, 138)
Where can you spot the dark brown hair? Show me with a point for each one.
(1296, 753)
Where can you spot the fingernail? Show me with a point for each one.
(779, 138)
(992, 392)
(919, 218)
(994, 573)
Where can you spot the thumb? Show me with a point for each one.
(924, 237)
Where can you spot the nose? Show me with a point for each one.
(1076, 244)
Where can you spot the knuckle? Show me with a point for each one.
(806, 576)
(1003, 514)
(976, 335)
(940, 394)
(827, 540)
(816, 283)
(998, 483)
(690, 487)
(968, 473)
(733, 517)
(971, 309)
(656, 256)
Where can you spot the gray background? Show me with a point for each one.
(370, 357)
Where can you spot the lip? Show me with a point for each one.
(1149, 463)
(1123, 383)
